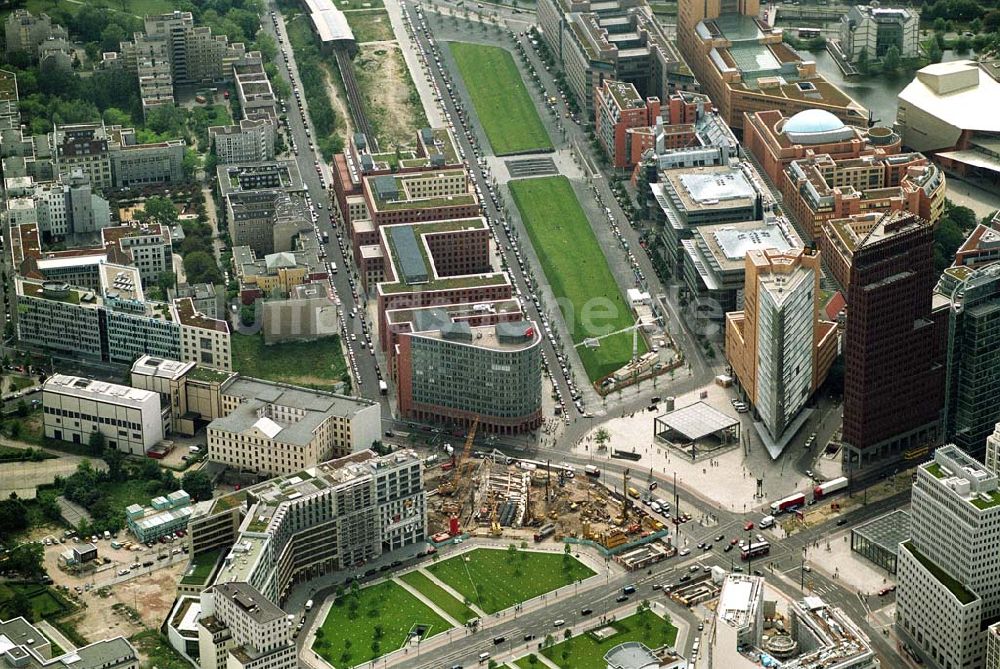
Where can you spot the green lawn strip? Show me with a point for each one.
(441, 598)
(577, 271)
(347, 636)
(585, 652)
(203, 564)
(306, 363)
(505, 110)
(370, 25)
(525, 663)
(494, 579)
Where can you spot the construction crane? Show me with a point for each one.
(463, 473)
(594, 342)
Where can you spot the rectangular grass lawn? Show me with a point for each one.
(494, 579)
(585, 652)
(319, 364)
(576, 269)
(502, 103)
(441, 598)
(387, 604)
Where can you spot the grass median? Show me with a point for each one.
(495, 579)
(504, 108)
(577, 271)
(372, 622)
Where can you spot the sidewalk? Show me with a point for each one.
(56, 636)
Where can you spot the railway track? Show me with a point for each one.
(354, 100)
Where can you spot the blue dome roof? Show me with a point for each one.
(813, 120)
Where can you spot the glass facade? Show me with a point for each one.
(878, 540)
(504, 384)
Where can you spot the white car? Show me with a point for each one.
(685, 551)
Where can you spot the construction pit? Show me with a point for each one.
(497, 496)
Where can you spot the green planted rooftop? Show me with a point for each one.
(986, 500)
(956, 588)
(935, 470)
(208, 375)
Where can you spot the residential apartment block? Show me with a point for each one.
(73, 408)
(742, 63)
(112, 157)
(618, 109)
(26, 647)
(26, 32)
(778, 345)
(894, 346)
(173, 51)
(276, 273)
(250, 141)
(873, 29)
(949, 585)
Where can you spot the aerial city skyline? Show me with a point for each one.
(627, 334)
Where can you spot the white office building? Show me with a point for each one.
(993, 451)
(993, 646)
(739, 619)
(243, 630)
(73, 408)
(949, 571)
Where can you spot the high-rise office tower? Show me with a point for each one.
(949, 570)
(893, 346)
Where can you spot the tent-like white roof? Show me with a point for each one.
(959, 93)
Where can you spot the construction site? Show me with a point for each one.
(492, 494)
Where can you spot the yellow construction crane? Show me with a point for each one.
(463, 468)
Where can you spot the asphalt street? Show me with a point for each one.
(367, 378)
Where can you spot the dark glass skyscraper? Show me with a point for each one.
(893, 345)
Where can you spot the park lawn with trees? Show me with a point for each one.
(503, 107)
(577, 271)
(366, 623)
(441, 597)
(317, 364)
(495, 579)
(586, 652)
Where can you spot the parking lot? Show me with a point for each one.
(114, 565)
